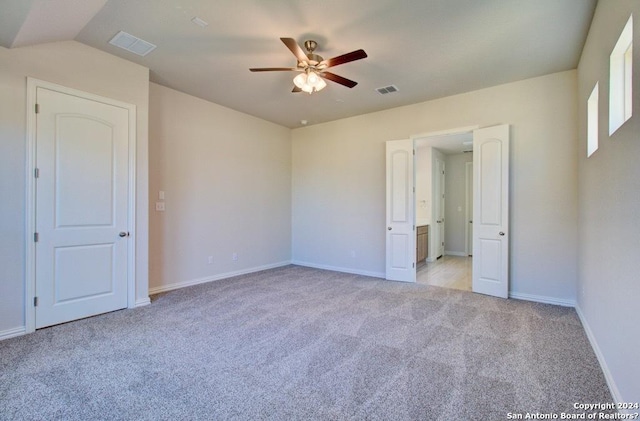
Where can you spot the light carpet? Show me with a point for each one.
(296, 343)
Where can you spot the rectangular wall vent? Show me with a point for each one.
(387, 89)
(132, 44)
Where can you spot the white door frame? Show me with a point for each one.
(426, 136)
(439, 192)
(30, 261)
(468, 210)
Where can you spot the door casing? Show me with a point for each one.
(468, 206)
(438, 200)
(30, 252)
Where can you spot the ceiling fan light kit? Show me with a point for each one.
(309, 82)
(313, 67)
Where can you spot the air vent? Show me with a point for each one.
(201, 23)
(387, 89)
(132, 44)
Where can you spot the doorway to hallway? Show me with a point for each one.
(448, 272)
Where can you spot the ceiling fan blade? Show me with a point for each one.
(339, 79)
(345, 58)
(295, 49)
(296, 89)
(273, 69)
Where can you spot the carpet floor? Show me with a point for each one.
(296, 343)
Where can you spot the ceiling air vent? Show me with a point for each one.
(132, 44)
(387, 89)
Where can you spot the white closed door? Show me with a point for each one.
(400, 229)
(491, 211)
(81, 207)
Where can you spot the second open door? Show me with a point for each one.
(491, 211)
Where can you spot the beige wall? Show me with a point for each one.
(339, 181)
(455, 198)
(76, 66)
(609, 203)
(227, 183)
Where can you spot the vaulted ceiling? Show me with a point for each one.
(428, 48)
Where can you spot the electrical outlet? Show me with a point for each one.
(160, 206)
(234, 256)
(210, 260)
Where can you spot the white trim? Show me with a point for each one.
(30, 261)
(468, 210)
(620, 90)
(30, 215)
(12, 333)
(458, 130)
(455, 253)
(613, 388)
(131, 246)
(184, 284)
(339, 269)
(542, 299)
(141, 302)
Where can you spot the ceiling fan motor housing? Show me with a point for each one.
(310, 46)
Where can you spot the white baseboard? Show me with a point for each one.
(141, 302)
(542, 299)
(455, 253)
(12, 333)
(613, 388)
(339, 269)
(183, 284)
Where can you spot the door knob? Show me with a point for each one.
(389, 228)
(123, 234)
(501, 233)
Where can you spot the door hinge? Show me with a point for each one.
(413, 265)
(36, 172)
(414, 152)
(35, 301)
(36, 237)
(414, 227)
(37, 108)
(414, 189)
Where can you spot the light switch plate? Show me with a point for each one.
(160, 195)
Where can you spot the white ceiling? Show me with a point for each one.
(427, 48)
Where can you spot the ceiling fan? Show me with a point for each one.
(313, 67)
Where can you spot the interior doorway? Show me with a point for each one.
(407, 212)
(81, 206)
(441, 164)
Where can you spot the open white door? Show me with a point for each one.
(491, 211)
(400, 234)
